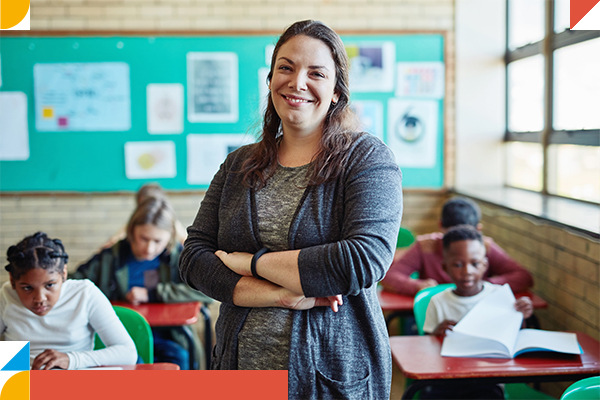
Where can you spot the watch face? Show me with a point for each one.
(409, 128)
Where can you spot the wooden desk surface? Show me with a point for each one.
(404, 304)
(166, 314)
(418, 357)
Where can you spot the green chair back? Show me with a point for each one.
(405, 238)
(421, 302)
(588, 388)
(139, 330)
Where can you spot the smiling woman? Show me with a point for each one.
(296, 230)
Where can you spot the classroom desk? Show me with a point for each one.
(177, 314)
(402, 305)
(418, 357)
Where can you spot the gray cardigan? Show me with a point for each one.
(346, 230)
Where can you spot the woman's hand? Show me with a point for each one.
(524, 305)
(236, 261)
(441, 329)
(295, 301)
(137, 295)
(51, 359)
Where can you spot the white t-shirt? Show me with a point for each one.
(69, 327)
(447, 305)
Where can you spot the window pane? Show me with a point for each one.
(524, 165)
(526, 94)
(577, 86)
(561, 15)
(525, 22)
(574, 171)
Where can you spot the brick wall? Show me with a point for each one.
(565, 267)
(224, 15)
(84, 222)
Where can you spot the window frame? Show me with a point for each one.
(551, 42)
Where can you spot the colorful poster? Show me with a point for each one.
(420, 79)
(212, 80)
(82, 97)
(205, 153)
(164, 108)
(370, 114)
(371, 66)
(412, 132)
(150, 160)
(14, 132)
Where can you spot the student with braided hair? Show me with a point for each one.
(58, 316)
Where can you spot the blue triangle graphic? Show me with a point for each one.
(20, 362)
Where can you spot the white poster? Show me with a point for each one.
(370, 114)
(420, 79)
(82, 97)
(206, 153)
(164, 108)
(371, 66)
(14, 132)
(412, 132)
(150, 160)
(212, 83)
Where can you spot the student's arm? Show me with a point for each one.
(503, 269)
(398, 280)
(120, 349)
(524, 305)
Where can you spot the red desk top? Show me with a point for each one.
(402, 303)
(418, 357)
(166, 314)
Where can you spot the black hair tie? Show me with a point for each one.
(255, 258)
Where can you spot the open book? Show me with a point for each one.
(492, 329)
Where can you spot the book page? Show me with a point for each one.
(494, 318)
(458, 344)
(539, 340)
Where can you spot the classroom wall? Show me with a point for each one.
(480, 92)
(224, 15)
(84, 222)
(565, 266)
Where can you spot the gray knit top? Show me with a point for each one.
(346, 230)
(264, 341)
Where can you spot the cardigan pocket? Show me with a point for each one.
(328, 388)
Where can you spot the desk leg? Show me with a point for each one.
(207, 334)
(187, 331)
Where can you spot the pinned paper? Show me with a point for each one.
(150, 160)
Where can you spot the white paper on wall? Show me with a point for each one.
(82, 96)
(205, 154)
(150, 160)
(412, 132)
(370, 114)
(14, 132)
(212, 84)
(164, 108)
(371, 66)
(420, 79)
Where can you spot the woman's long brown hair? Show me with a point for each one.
(340, 122)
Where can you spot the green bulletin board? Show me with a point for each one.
(94, 161)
